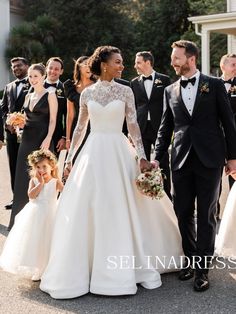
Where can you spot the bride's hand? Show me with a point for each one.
(145, 165)
(67, 170)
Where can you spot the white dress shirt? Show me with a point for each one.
(20, 86)
(227, 85)
(148, 84)
(189, 93)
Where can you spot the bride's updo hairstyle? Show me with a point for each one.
(101, 54)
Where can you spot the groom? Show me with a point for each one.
(197, 112)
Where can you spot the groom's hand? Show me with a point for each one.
(155, 164)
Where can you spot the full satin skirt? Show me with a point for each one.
(107, 236)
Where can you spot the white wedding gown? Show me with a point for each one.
(226, 238)
(105, 229)
(26, 250)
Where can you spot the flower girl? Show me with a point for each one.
(226, 239)
(27, 246)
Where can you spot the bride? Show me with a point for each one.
(107, 236)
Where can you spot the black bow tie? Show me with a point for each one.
(46, 85)
(184, 83)
(21, 81)
(147, 78)
(228, 81)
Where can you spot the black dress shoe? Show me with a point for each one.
(8, 206)
(201, 282)
(186, 273)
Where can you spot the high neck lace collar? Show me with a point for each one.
(106, 83)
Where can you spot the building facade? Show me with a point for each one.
(224, 23)
(11, 14)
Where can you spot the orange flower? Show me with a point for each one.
(15, 119)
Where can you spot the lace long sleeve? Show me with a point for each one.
(80, 128)
(132, 124)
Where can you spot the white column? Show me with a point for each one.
(231, 44)
(205, 51)
(4, 33)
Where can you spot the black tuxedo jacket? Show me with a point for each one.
(10, 101)
(60, 129)
(210, 130)
(154, 105)
(232, 97)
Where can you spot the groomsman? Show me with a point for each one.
(54, 69)
(13, 100)
(148, 89)
(228, 68)
(197, 110)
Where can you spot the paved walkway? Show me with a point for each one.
(23, 296)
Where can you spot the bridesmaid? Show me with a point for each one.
(40, 111)
(82, 78)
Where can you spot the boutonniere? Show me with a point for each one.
(204, 87)
(158, 82)
(232, 89)
(59, 92)
(26, 85)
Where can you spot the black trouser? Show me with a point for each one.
(194, 181)
(12, 151)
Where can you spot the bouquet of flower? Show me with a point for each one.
(150, 183)
(17, 120)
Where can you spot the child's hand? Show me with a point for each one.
(40, 177)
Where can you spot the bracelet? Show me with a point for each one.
(68, 140)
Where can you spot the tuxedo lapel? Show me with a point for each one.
(14, 90)
(202, 81)
(177, 90)
(155, 77)
(142, 87)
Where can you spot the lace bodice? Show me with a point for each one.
(106, 104)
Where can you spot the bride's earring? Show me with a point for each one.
(105, 70)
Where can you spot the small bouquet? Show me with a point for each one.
(17, 120)
(150, 183)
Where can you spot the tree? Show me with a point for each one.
(33, 40)
(84, 25)
(160, 23)
(71, 28)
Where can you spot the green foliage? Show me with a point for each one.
(33, 40)
(71, 28)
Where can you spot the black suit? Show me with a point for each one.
(149, 128)
(60, 129)
(11, 103)
(232, 99)
(201, 144)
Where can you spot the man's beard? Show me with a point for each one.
(184, 69)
